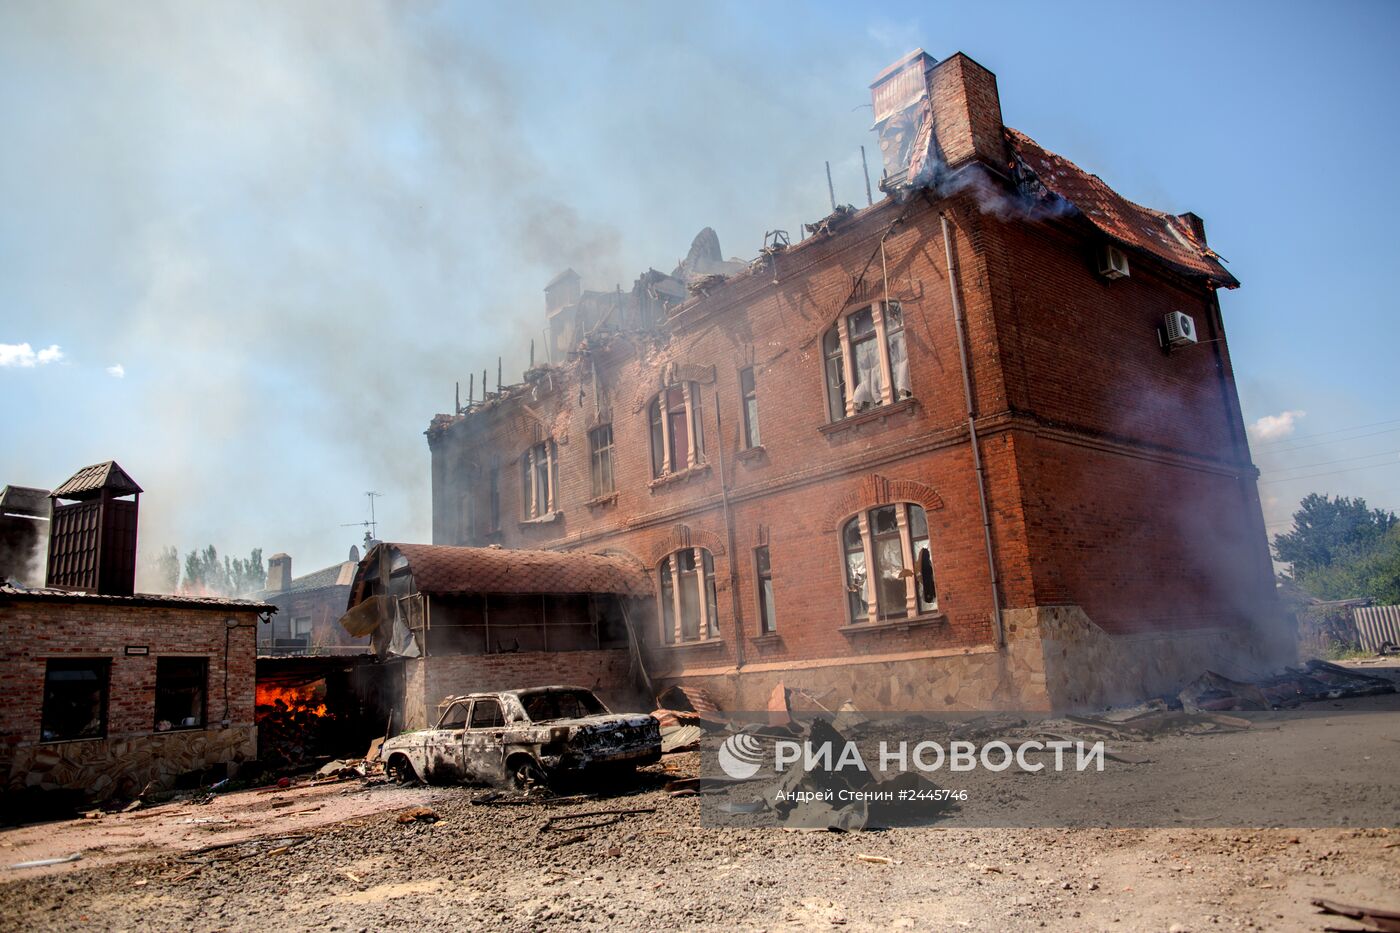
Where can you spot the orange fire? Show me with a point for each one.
(310, 698)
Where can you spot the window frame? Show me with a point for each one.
(663, 412)
(101, 665)
(840, 376)
(867, 593)
(601, 454)
(539, 480)
(763, 590)
(494, 492)
(672, 603)
(203, 665)
(748, 408)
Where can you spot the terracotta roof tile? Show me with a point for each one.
(1170, 238)
(90, 480)
(441, 570)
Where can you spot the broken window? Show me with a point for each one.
(540, 479)
(889, 565)
(75, 699)
(677, 442)
(689, 609)
(455, 717)
(486, 714)
(600, 446)
(763, 572)
(746, 389)
(182, 692)
(870, 344)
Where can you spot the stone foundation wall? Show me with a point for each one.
(123, 766)
(1055, 659)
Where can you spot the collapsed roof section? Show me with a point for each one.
(440, 570)
(1176, 239)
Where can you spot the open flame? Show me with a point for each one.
(308, 698)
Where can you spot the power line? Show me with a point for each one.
(1289, 479)
(1305, 437)
(1304, 466)
(1338, 440)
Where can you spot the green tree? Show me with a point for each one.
(168, 570)
(1326, 530)
(1375, 572)
(207, 574)
(246, 575)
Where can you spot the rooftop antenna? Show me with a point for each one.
(371, 526)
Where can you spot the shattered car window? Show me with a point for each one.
(561, 704)
(456, 717)
(486, 714)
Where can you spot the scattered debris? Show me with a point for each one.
(614, 816)
(1374, 917)
(875, 859)
(45, 862)
(566, 841)
(418, 815)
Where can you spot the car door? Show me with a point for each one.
(444, 745)
(483, 744)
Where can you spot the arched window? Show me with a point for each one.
(677, 443)
(688, 604)
(889, 566)
(539, 480)
(868, 343)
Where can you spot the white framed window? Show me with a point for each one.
(866, 360)
(763, 579)
(689, 609)
(539, 480)
(888, 563)
(677, 441)
(750, 396)
(600, 449)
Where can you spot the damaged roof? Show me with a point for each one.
(444, 570)
(1172, 238)
(24, 500)
(91, 480)
(13, 591)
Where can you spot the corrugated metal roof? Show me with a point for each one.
(445, 570)
(9, 591)
(91, 480)
(1171, 238)
(24, 500)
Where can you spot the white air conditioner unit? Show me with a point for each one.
(1180, 328)
(1113, 262)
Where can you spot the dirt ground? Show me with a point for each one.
(334, 857)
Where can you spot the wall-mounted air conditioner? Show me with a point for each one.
(1113, 262)
(1180, 329)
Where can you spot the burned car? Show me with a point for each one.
(522, 737)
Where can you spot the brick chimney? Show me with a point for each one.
(931, 115)
(563, 290)
(279, 573)
(966, 112)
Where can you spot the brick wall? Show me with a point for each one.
(431, 679)
(38, 630)
(133, 753)
(1117, 476)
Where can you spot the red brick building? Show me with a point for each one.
(976, 445)
(105, 694)
(308, 608)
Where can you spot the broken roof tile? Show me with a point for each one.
(1171, 238)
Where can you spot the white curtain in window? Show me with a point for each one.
(867, 393)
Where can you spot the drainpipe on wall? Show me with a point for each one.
(729, 534)
(997, 632)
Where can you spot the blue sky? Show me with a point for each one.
(293, 226)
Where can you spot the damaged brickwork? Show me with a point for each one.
(1122, 517)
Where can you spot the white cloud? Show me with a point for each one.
(1275, 427)
(23, 356)
(117, 371)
